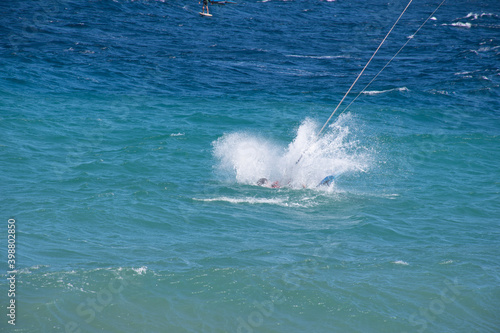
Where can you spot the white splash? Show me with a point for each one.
(247, 157)
(140, 270)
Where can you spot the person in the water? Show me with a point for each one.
(264, 182)
(205, 5)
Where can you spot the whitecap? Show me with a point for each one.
(316, 57)
(439, 92)
(461, 25)
(377, 92)
(475, 16)
(400, 262)
(472, 15)
(140, 270)
(283, 202)
(249, 200)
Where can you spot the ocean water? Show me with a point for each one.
(133, 134)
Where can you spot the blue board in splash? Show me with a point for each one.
(327, 181)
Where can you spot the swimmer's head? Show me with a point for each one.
(262, 181)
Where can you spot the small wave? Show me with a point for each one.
(439, 92)
(475, 16)
(29, 270)
(400, 262)
(177, 134)
(447, 262)
(488, 48)
(460, 25)
(316, 57)
(377, 92)
(283, 202)
(140, 270)
(249, 200)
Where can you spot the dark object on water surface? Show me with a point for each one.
(326, 181)
(262, 181)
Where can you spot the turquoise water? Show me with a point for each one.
(134, 132)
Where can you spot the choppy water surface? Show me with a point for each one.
(134, 132)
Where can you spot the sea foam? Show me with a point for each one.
(378, 92)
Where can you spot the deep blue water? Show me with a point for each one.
(133, 134)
